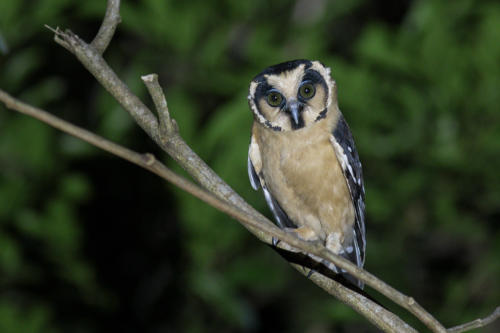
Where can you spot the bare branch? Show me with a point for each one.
(57, 39)
(107, 30)
(476, 323)
(168, 126)
(377, 315)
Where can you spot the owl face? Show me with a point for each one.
(292, 95)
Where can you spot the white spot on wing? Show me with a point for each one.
(270, 203)
(341, 156)
(356, 247)
(251, 175)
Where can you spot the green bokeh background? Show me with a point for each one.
(89, 243)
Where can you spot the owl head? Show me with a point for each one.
(292, 95)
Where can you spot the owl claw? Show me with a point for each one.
(305, 233)
(275, 241)
(311, 271)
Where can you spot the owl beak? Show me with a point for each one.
(294, 108)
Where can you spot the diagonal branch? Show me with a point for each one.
(481, 322)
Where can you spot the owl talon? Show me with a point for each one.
(304, 233)
(311, 271)
(275, 241)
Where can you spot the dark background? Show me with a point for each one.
(90, 243)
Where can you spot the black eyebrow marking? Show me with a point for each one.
(313, 76)
(262, 89)
(283, 67)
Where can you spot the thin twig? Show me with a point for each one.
(108, 26)
(57, 39)
(476, 323)
(168, 126)
(379, 316)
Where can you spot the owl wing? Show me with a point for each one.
(282, 219)
(348, 158)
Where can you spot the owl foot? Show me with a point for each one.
(334, 242)
(304, 233)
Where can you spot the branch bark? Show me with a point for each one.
(481, 322)
(108, 26)
(164, 131)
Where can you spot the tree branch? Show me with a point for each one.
(107, 30)
(476, 323)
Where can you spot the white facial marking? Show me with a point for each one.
(325, 72)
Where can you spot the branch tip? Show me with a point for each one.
(149, 77)
(480, 322)
(56, 30)
(167, 126)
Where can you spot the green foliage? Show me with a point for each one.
(419, 89)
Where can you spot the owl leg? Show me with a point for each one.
(334, 242)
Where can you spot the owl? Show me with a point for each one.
(302, 154)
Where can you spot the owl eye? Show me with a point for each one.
(274, 99)
(307, 91)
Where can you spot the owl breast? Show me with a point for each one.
(302, 173)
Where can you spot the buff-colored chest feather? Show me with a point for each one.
(302, 173)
